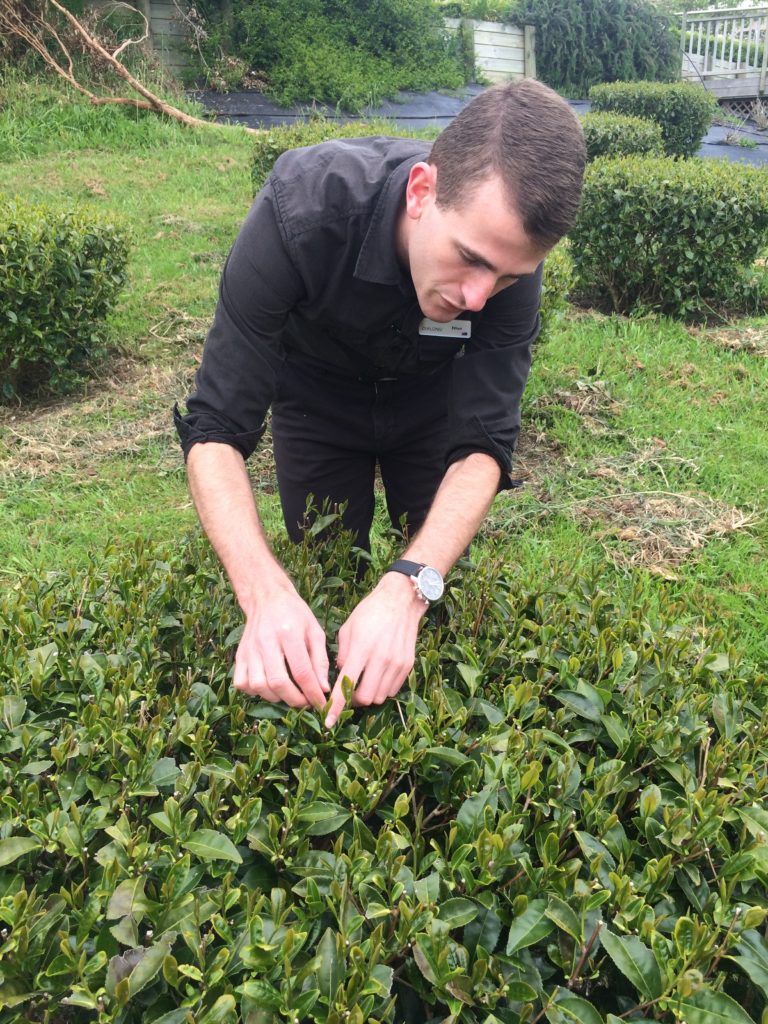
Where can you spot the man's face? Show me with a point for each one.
(459, 257)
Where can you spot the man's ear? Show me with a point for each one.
(421, 189)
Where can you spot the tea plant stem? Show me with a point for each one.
(703, 761)
(723, 945)
(586, 950)
(641, 1006)
(544, 1010)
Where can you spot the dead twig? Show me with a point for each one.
(39, 33)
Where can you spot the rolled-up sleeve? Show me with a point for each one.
(489, 379)
(243, 352)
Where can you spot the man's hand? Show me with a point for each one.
(282, 654)
(377, 644)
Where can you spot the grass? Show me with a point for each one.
(644, 442)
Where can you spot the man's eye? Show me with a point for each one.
(470, 260)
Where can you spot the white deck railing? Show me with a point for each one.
(727, 50)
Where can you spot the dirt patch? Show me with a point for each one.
(118, 417)
(537, 459)
(658, 530)
(753, 340)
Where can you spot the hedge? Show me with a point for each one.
(556, 284)
(620, 135)
(272, 143)
(60, 274)
(668, 235)
(683, 111)
(561, 816)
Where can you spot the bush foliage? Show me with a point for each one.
(561, 816)
(60, 275)
(582, 42)
(620, 135)
(346, 52)
(669, 235)
(268, 146)
(556, 284)
(684, 111)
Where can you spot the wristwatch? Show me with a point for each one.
(427, 581)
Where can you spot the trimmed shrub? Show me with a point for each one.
(271, 144)
(684, 111)
(556, 284)
(669, 235)
(60, 274)
(582, 42)
(561, 815)
(621, 135)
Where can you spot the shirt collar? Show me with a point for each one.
(377, 261)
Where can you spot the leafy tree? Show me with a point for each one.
(582, 42)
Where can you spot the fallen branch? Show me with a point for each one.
(34, 30)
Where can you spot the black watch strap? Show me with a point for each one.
(406, 567)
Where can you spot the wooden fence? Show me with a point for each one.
(501, 51)
(727, 51)
(166, 33)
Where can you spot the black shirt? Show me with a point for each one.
(314, 274)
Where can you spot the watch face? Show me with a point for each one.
(430, 583)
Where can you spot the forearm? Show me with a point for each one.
(223, 497)
(460, 505)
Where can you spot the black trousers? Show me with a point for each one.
(330, 431)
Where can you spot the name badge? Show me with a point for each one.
(453, 329)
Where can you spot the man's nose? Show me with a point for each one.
(476, 291)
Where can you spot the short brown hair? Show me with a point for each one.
(530, 137)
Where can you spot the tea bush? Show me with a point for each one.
(683, 111)
(668, 235)
(60, 273)
(556, 284)
(620, 135)
(561, 816)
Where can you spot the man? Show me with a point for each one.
(382, 297)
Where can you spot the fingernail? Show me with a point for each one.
(330, 721)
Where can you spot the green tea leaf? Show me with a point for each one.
(15, 847)
(210, 845)
(708, 1007)
(753, 958)
(565, 918)
(530, 927)
(457, 912)
(636, 962)
(128, 898)
(568, 1008)
(330, 973)
(755, 818)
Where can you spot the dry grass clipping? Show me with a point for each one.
(538, 458)
(589, 399)
(121, 415)
(659, 529)
(752, 340)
